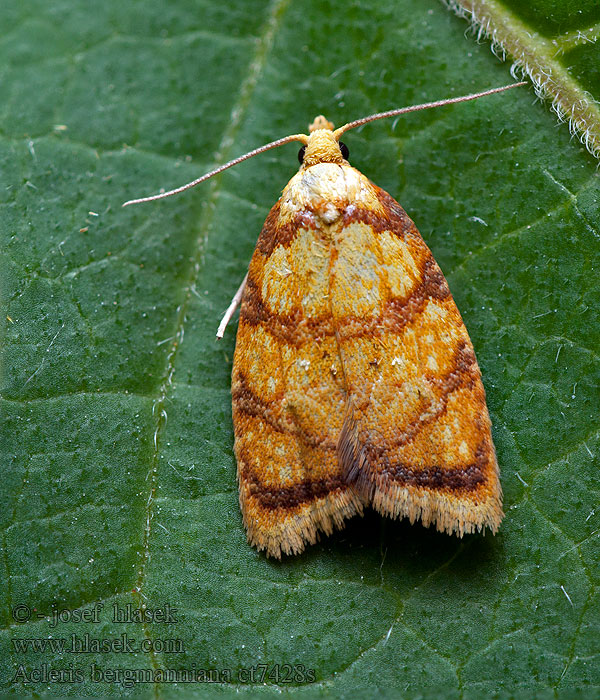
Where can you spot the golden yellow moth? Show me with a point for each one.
(354, 379)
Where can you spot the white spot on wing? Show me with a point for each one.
(432, 363)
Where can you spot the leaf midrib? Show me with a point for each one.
(264, 43)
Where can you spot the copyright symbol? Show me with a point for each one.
(21, 613)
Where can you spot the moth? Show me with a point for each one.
(354, 380)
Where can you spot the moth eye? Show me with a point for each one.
(344, 150)
(301, 153)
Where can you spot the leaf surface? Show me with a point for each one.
(554, 43)
(117, 446)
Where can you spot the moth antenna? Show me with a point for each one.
(415, 108)
(267, 147)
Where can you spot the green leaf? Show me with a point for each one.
(115, 429)
(554, 43)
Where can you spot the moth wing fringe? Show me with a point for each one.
(439, 509)
(292, 534)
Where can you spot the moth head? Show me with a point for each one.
(322, 145)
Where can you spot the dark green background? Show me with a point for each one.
(118, 474)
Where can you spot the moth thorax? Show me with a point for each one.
(322, 147)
